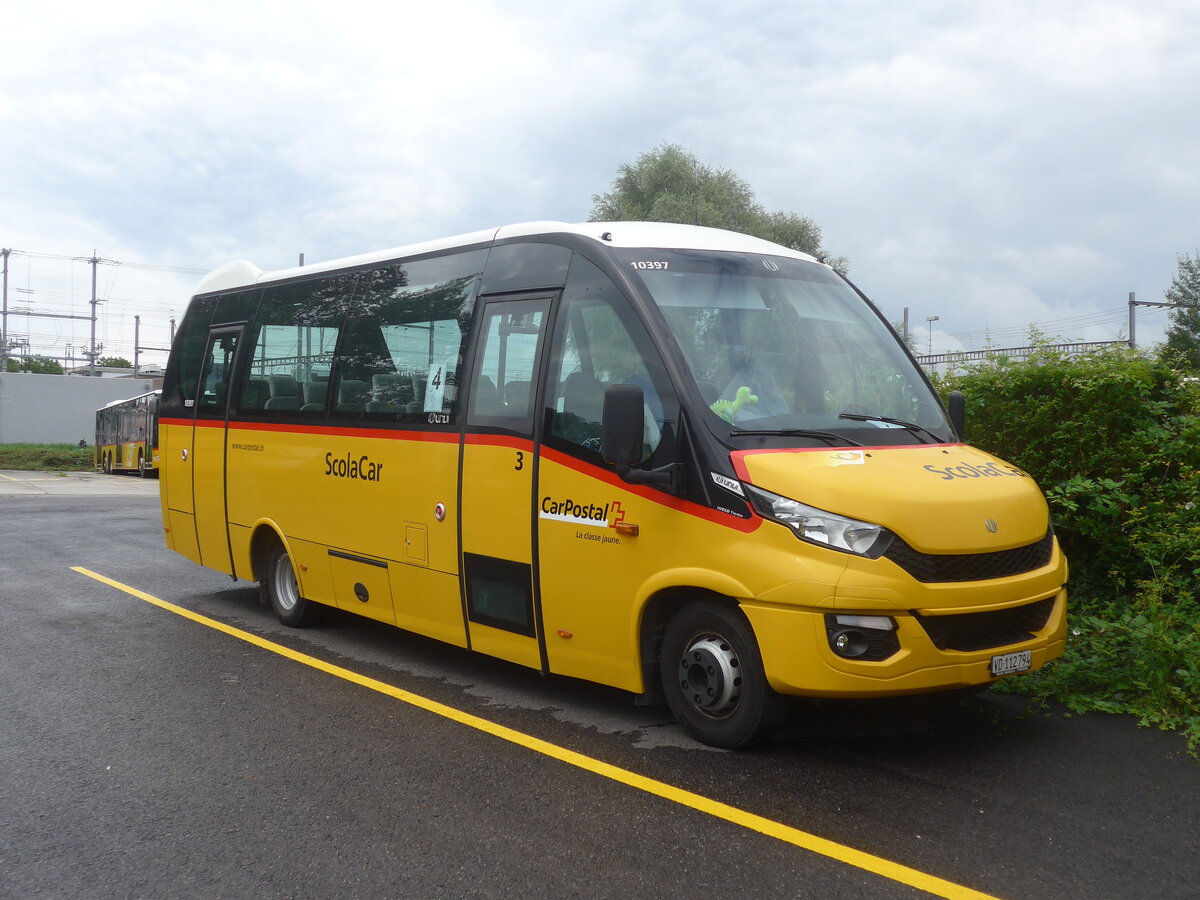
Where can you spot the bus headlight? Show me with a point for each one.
(822, 528)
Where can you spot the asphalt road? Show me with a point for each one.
(144, 754)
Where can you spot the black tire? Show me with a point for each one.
(713, 677)
(282, 590)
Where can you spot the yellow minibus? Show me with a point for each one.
(684, 462)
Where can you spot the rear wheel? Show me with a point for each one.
(713, 676)
(283, 592)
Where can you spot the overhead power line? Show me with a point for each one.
(63, 295)
(1101, 317)
(111, 262)
(181, 269)
(54, 340)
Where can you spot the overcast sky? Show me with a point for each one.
(993, 164)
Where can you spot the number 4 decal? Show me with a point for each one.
(435, 388)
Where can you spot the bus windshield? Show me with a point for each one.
(778, 344)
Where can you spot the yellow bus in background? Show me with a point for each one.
(683, 462)
(127, 435)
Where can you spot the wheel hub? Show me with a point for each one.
(710, 675)
(286, 591)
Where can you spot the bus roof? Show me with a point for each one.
(129, 399)
(627, 235)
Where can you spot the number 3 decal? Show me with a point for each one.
(520, 460)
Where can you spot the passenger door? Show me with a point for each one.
(207, 453)
(499, 566)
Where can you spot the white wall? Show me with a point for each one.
(58, 409)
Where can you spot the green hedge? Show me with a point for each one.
(47, 457)
(1114, 440)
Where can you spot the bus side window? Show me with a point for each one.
(507, 363)
(400, 356)
(187, 358)
(214, 379)
(600, 342)
(295, 331)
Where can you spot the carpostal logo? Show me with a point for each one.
(582, 513)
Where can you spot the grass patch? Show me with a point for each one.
(47, 457)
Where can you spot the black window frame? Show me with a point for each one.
(574, 295)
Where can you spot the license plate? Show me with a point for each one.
(1008, 663)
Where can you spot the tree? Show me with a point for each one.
(37, 365)
(669, 184)
(1183, 337)
(114, 362)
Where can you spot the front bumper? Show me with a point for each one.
(798, 659)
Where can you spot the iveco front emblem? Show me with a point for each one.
(992, 526)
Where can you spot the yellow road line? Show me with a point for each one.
(803, 839)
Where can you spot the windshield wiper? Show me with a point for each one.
(833, 438)
(911, 426)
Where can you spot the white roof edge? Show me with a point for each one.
(245, 274)
(667, 235)
(681, 237)
(531, 229)
(134, 397)
(365, 259)
(627, 235)
(242, 273)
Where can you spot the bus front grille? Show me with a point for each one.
(933, 568)
(984, 630)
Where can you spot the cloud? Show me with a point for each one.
(986, 163)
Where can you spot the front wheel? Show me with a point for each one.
(714, 679)
(283, 592)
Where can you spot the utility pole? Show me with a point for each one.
(95, 261)
(4, 318)
(137, 331)
(1133, 304)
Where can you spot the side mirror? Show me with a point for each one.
(958, 413)
(622, 435)
(622, 429)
